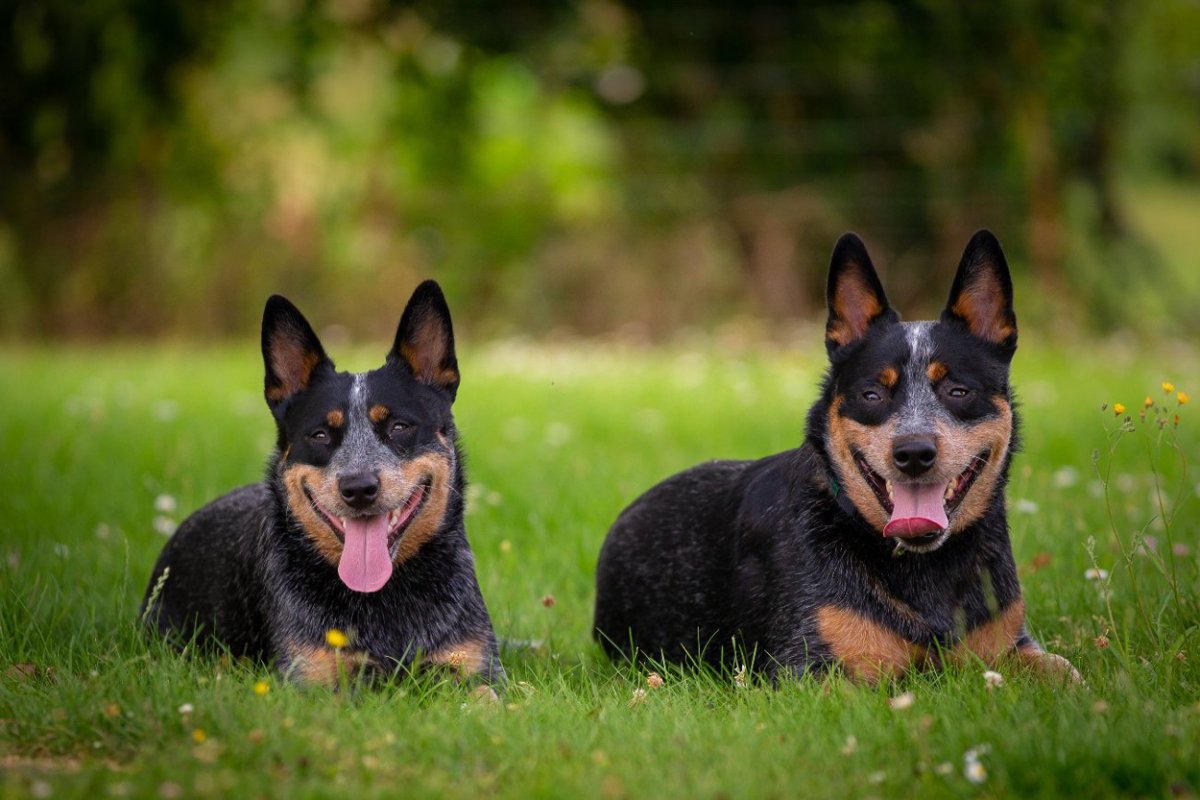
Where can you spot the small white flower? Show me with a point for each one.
(186, 708)
(973, 769)
(164, 525)
(1096, 574)
(992, 679)
(165, 504)
(739, 676)
(165, 410)
(1026, 506)
(944, 768)
(851, 745)
(1066, 477)
(557, 434)
(902, 701)
(877, 777)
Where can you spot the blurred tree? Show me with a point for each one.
(584, 164)
(89, 103)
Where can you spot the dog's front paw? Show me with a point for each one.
(1050, 664)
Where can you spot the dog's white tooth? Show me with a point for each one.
(345, 521)
(950, 491)
(888, 485)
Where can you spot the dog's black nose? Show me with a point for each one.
(914, 455)
(359, 489)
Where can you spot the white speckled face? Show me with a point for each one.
(367, 460)
(919, 423)
(924, 383)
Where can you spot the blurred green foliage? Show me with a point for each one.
(593, 167)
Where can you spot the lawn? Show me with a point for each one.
(106, 449)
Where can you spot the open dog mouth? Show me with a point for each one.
(919, 512)
(370, 541)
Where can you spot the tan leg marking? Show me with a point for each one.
(323, 666)
(466, 658)
(995, 638)
(866, 650)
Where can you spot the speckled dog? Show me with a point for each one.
(357, 527)
(879, 545)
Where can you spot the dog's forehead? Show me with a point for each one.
(399, 392)
(919, 338)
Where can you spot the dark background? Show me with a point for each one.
(586, 168)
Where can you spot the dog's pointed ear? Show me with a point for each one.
(292, 354)
(425, 340)
(982, 295)
(855, 295)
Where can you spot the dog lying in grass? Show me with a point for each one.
(351, 554)
(881, 543)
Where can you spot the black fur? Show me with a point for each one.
(245, 575)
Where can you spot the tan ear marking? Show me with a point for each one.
(854, 307)
(292, 365)
(981, 305)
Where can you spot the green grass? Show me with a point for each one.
(558, 441)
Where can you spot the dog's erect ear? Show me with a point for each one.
(982, 294)
(292, 354)
(425, 340)
(855, 295)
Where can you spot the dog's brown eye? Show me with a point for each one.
(871, 396)
(321, 437)
(958, 392)
(396, 428)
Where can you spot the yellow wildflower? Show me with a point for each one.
(198, 735)
(336, 639)
(1182, 398)
(1149, 401)
(261, 688)
(1168, 387)
(1118, 408)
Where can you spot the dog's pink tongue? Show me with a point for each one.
(366, 565)
(917, 509)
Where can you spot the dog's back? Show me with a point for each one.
(213, 589)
